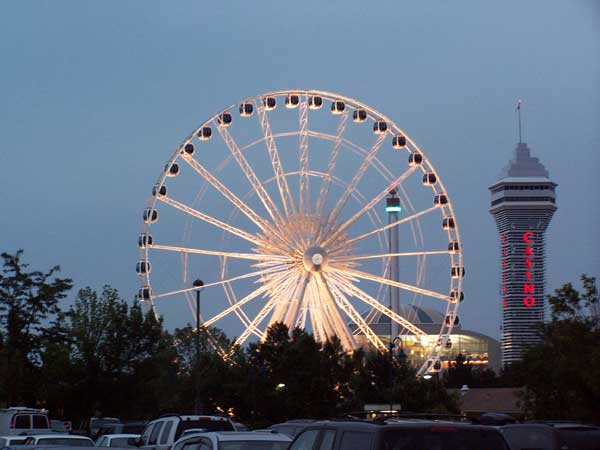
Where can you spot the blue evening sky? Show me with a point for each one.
(94, 96)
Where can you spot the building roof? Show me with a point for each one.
(524, 165)
(501, 400)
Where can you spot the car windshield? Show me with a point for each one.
(443, 438)
(121, 442)
(253, 445)
(66, 442)
(207, 424)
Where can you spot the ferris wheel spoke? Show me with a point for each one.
(232, 299)
(252, 295)
(278, 259)
(372, 203)
(338, 322)
(326, 184)
(234, 199)
(284, 190)
(304, 182)
(250, 175)
(335, 212)
(404, 286)
(257, 273)
(388, 255)
(373, 303)
(211, 220)
(355, 316)
(390, 225)
(271, 303)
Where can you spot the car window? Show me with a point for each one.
(146, 434)
(101, 442)
(529, 437)
(155, 432)
(164, 437)
(40, 422)
(355, 440)
(305, 440)
(327, 439)
(23, 421)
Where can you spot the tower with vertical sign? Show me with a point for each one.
(523, 203)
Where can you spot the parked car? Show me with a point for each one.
(233, 440)
(63, 440)
(552, 436)
(59, 426)
(397, 435)
(117, 440)
(129, 427)
(162, 433)
(292, 427)
(17, 420)
(10, 441)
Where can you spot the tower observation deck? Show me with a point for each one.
(523, 203)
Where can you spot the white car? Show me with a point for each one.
(117, 440)
(9, 441)
(234, 440)
(64, 440)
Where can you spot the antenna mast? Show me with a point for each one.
(519, 111)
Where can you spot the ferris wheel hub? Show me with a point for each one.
(315, 259)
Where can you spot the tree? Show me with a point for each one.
(28, 300)
(561, 374)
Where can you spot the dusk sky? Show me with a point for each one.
(95, 96)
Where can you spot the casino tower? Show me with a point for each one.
(523, 203)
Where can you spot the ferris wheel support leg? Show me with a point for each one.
(341, 329)
(297, 301)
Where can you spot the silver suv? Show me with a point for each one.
(17, 420)
(160, 434)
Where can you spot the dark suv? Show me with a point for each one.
(397, 435)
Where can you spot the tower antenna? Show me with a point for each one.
(519, 112)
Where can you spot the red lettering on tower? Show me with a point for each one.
(529, 301)
(528, 288)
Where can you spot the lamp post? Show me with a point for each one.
(401, 359)
(198, 405)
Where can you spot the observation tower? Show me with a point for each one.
(523, 203)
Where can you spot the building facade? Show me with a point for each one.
(523, 203)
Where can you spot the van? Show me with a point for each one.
(17, 420)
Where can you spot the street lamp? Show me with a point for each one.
(401, 359)
(198, 283)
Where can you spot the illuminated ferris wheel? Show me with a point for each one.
(308, 208)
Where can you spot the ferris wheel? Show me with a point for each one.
(308, 208)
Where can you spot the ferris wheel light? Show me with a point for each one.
(393, 209)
